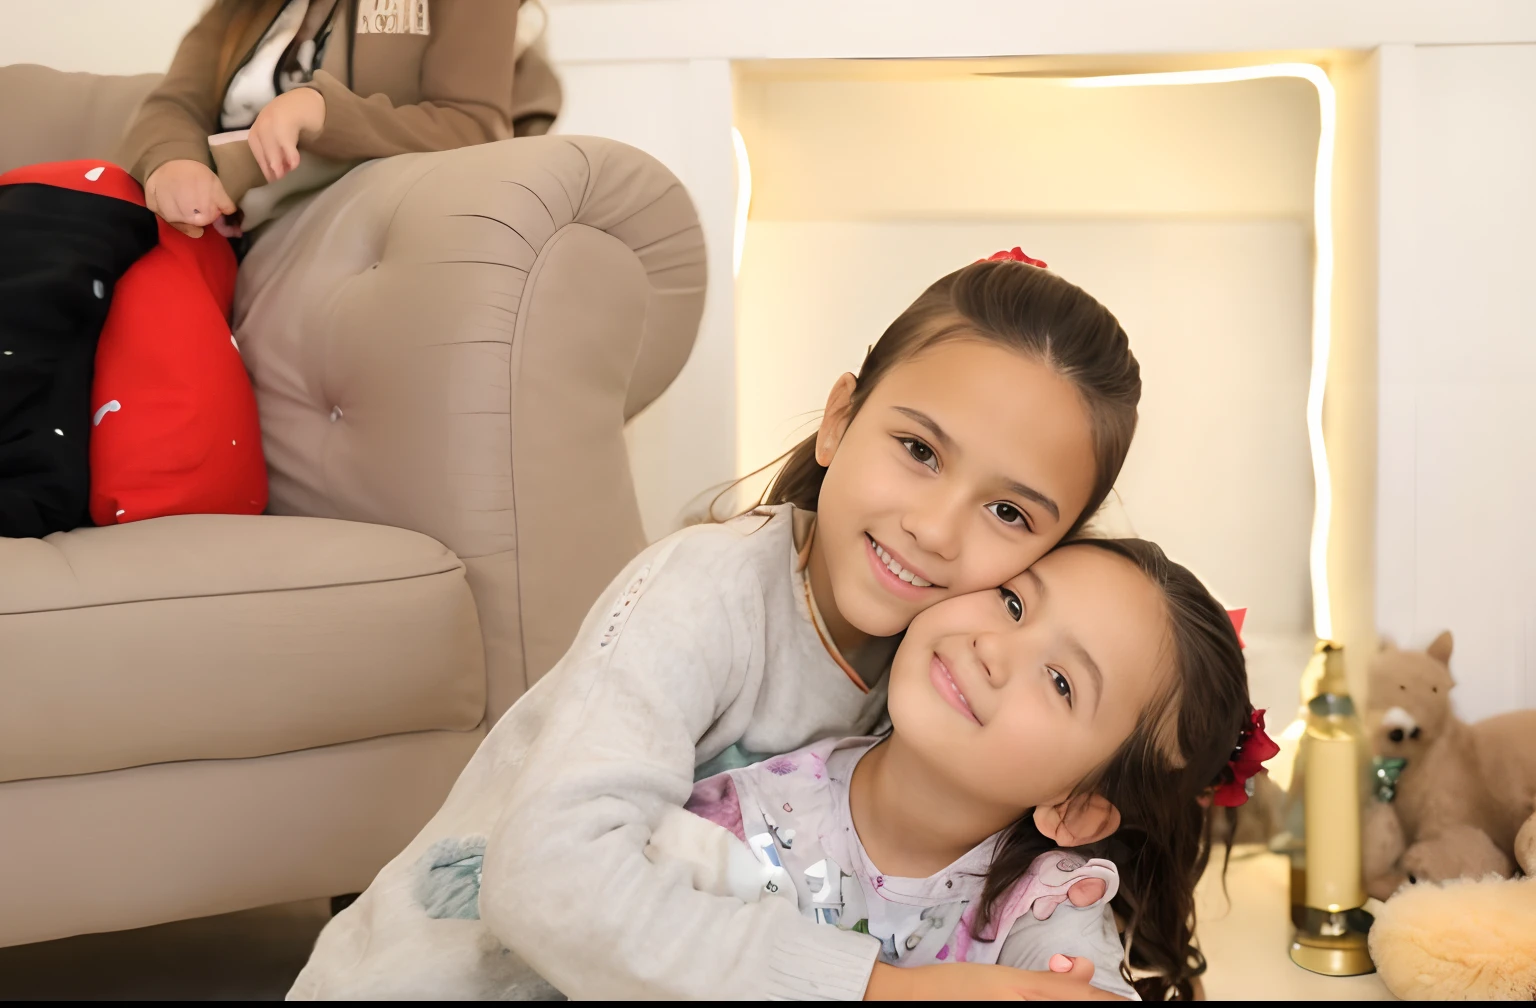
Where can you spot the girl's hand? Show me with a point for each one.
(980, 982)
(278, 128)
(187, 195)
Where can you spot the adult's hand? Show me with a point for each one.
(187, 195)
(275, 134)
(981, 982)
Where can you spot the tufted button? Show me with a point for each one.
(335, 413)
(99, 289)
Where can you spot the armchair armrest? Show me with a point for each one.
(452, 342)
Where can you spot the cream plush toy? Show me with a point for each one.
(1459, 941)
(1460, 819)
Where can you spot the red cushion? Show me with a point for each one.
(175, 425)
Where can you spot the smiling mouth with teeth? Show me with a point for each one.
(895, 567)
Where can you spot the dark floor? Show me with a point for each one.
(248, 956)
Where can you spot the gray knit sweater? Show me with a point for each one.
(535, 865)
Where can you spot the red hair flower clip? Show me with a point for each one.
(1014, 254)
(1253, 748)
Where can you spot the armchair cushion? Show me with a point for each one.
(221, 636)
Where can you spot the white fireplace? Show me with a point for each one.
(886, 149)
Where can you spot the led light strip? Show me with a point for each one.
(743, 199)
(1322, 285)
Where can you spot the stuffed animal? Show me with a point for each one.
(1465, 801)
(1461, 940)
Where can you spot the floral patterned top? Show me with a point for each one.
(792, 812)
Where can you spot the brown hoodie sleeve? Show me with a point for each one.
(466, 88)
(175, 120)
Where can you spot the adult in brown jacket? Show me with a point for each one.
(346, 80)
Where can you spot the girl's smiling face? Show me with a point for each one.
(967, 462)
(1015, 695)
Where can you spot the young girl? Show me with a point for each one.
(344, 79)
(1100, 695)
(988, 422)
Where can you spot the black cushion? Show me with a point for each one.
(61, 253)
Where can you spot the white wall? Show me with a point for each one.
(617, 30)
(1456, 546)
(973, 147)
(95, 36)
(1218, 317)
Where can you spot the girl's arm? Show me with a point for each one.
(566, 882)
(466, 89)
(1087, 933)
(176, 119)
(982, 982)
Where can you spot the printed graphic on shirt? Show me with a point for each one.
(393, 17)
(618, 613)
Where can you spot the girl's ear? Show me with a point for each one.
(834, 422)
(1083, 820)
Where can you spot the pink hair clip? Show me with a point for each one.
(1014, 254)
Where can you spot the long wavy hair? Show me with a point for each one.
(1158, 779)
(1026, 309)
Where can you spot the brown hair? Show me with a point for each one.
(1178, 751)
(243, 15)
(1021, 307)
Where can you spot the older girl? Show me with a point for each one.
(347, 80)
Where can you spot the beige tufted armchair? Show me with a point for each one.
(205, 713)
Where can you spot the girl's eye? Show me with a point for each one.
(920, 452)
(1062, 686)
(1008, 514)
(1015, 607)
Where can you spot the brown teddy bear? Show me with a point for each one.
(1465, 802)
